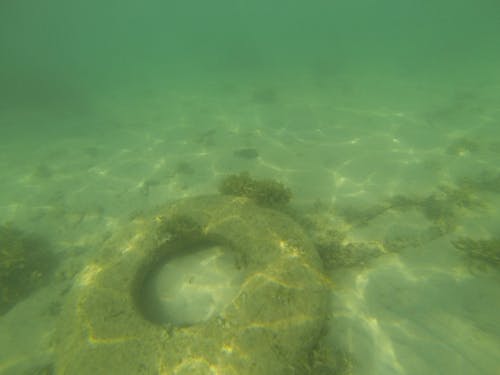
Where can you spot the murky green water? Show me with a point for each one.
(382, 118)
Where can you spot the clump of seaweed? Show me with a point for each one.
(484, 182)
(25, 265)
(440, 211)
(349, 254)
(484, 253)
(180, 228)
(360, 216)
(442, 207)
(266, 192)
(329, 235)
(403, 202)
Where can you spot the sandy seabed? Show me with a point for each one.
(405, 168)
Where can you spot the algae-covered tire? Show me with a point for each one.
(269, 327)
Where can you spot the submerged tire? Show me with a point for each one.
(269, 327)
